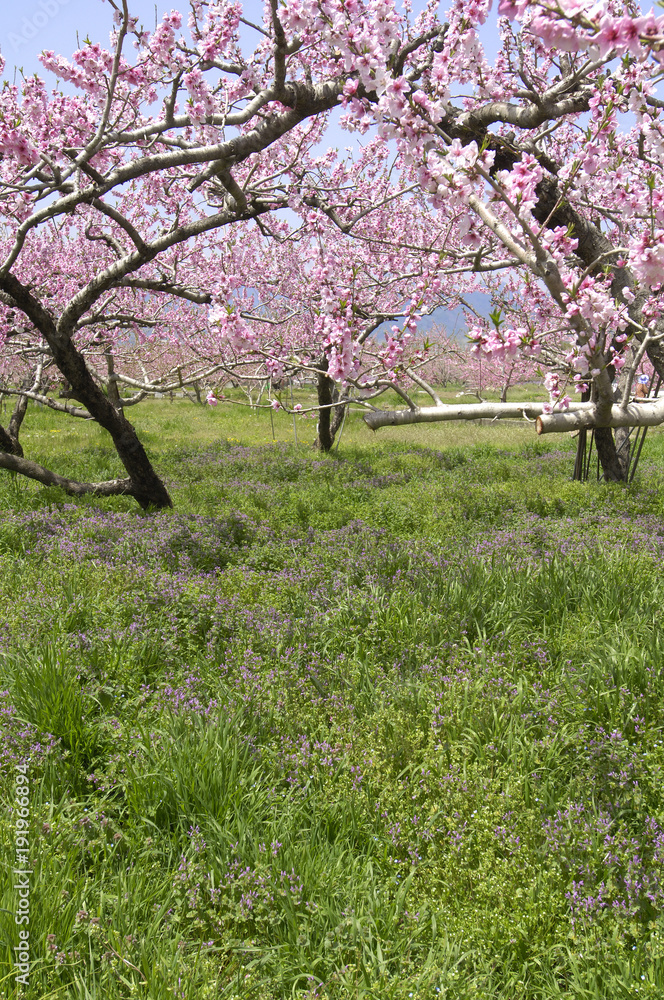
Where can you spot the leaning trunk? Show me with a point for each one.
(146, 486)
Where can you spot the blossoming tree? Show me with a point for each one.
(131, 182)
(555, 155)
(542, 171)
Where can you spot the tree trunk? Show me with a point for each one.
(553, 210)
(331, 418)
(325, 438)
(146, 486)
(612, 453)
(623, 446)
(17, 416)
(9, 444)
(615, 471)
(338, 418)
(9, 439)
(112, 385)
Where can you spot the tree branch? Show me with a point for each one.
(645, 414)
(460, 411)
(110, 488)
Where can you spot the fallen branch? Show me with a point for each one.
(462, 411)
(645, 414)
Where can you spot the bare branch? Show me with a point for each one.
(460, 411)
(109, 488)
(648, 413)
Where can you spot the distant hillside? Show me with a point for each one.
(453, 320)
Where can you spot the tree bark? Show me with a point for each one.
(16, 421)
(324, 440)
(337, 419)
(330, 416)
(612, 466)
(9, 444)
(146, 486)
(9, 439)
(463, 411)
(647, 414)
(623, 447)
(112, 385)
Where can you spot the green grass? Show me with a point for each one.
(382, 724)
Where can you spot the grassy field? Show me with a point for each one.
(383, 724)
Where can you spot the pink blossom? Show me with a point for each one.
(609, 36)
(647, 259)
(512, 8)
(558, 34)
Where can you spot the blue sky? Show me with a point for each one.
(27, 28)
